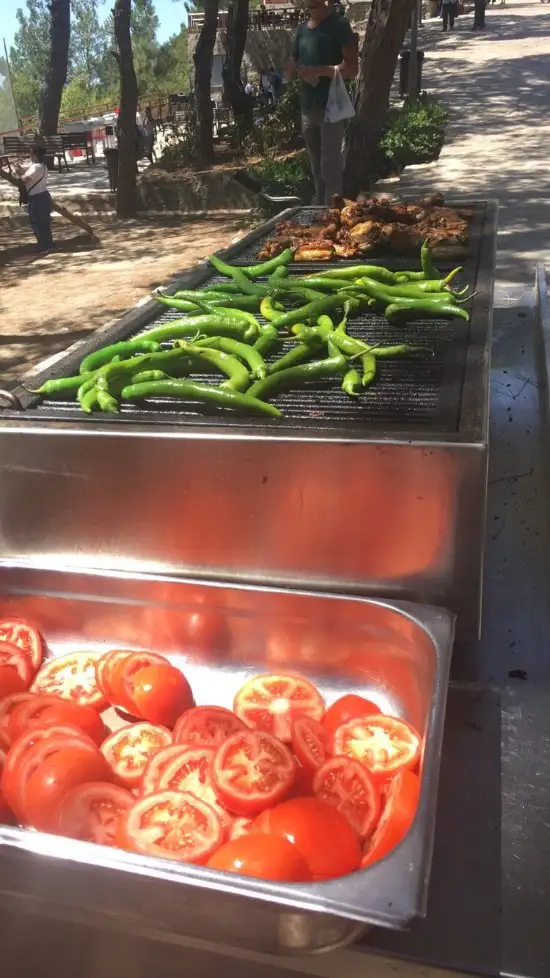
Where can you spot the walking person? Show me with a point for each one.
(479, 15)
(148, 127)
(322, 44)
(34, 193)
(448, 12)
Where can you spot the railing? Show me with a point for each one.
(261, 19)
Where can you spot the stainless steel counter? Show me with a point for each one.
(490, 891)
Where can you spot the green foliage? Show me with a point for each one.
(280, 127)
(286, 177)
(8, 116)
(413, 134)
(29, 54)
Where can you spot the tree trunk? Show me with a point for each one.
(203, 56)
(234, 43)
(384, 35)
(126, 127)
(51, 88)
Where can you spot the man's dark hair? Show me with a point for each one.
(39, 151)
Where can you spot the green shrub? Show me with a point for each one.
(413, 134)
(286, 177)
(280, 126)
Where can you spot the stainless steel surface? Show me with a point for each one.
(397, 653)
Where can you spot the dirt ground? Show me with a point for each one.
(47, 303)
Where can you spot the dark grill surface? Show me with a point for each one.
(420, 393)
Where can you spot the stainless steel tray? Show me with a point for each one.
(395, 652)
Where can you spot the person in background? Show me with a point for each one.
(148, 127)
(249, 89)
(448, 12)
(35, 179)
(321, 43)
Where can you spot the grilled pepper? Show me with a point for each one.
(237, 374)
(248, 354)
(191, 391)
(368, 362)
(272, 265)
(297, 376)
(410, 309)
(267, 340)
(351, 383)
(100, 357)
(312, 310)
(210, 325)
(426, 260)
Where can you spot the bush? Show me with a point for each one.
(286, 177)
(280, 126)
(413, 134)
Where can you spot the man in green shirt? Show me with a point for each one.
(322, 43)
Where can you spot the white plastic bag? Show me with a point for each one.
(339, 104)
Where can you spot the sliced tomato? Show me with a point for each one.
(6, 815)
(160, 693)
(270, 703)
(400, 804)
(308, 743)
(348, 707)
(8, 704)
(172, 824)
(105, 667)
(47, 710)
(385, 745)
(348, 786)
(10, 681)
(155, 766)
(48, 771)
(26, 636)
(73, 677)
(92, 812)
(191, 772)
(320, 832)
(209, 726)
(129, 749)
(12, 656)
(266, 857)
(251, 771)
(239, 826)
(5, 743)
(121, 675)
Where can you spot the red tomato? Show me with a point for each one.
(172, 824)
(5, 742)
(26, 636)
(123, 672)
(14, 657)
(46, 710)
(267, 857)
(270, 703)
(348, 707)
(105, 668)
(8, 704)
(239, 826)
(155, 767)
(6, 814)
(92, 812)
(127, 750)
(397, 817)
(348, 786)
(48, 771)
(14, 771)
(206, 725)
(73, 677)
(308, 743)
(161, 694)
(385, 745)
(251, 771)
(190, 772)
(320, 832)
(10, 681)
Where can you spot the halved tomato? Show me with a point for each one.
(128, 750)
(400, 806)
(10, 681)
(320, 832)
(267, 857)
(155, 767)
(105, 667)
(72, 677)
(346, 708)
(385, 745)
(92, 812)
(271, 702)
(191, 771)
(8, 704)
(308, 743)
(251, 771)
(349, 787)
(26, 636)
(240, 826)
(14, 657)
(160, 693)
(48, 771)
(209, 726)
(47, 710)
(172, 824)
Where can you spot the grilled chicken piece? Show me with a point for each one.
(401, 238)
(309, 251)
(360, 232)
(346, 250)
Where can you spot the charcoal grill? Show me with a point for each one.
(385, 496)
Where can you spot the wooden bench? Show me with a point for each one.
(54, 147)
(79, 140)
(14, 148)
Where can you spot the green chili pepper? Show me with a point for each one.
(100, 357)
(267, 340)
(426, 260)
(296, 376)
(351, 383)
(358, 271)
(227, 364)
(410, 309)
(322, 283)
(240, 278)
(305, 333)
(279, 287)
(58, 388)
(312, 310)
(248, 354)
(189, 390)
(399, 350)
(240, 316)
(280, 272)
(270, 309)
(87, 395)
(368, 361)
(298, 354)
(210, 324)
(145, 376)
(267, 267)
(107, 402)
(228, 287)
(414, 290)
